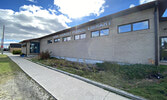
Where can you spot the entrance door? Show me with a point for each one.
(34, 47)
(163, 49)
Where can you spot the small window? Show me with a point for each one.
(76, 37)
(57, 40)
(66, 38)
(104, 32)
(49, 41)
(95, 34)
(125, 28)
(83, 36)
(140, 25)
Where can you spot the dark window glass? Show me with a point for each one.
(104, 32)
(124, 28)
(34, 47)
(49, 41)
(66, 38)
(57, 40)
(163, 49)
(15, 45)
(140, 25)
(95, 34)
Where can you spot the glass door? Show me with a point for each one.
(34, 47)
(163, 49)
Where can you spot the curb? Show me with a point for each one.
(106, 87)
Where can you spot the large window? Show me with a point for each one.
(49, 41)
(101, 32)
(95, 33)
(104, 32)
(125, 28)
(134, 26)
(80, 36)
(140, 25)
(57, 40)
(34, 47)
(66, 39)
(163, 49)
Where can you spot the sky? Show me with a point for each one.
(26, 19)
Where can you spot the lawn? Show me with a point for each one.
(7, 67)
(137, 79)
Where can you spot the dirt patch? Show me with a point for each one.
(22, 87)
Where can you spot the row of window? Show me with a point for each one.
(133, 26)
(103, 32)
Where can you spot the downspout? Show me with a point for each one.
(156, 20)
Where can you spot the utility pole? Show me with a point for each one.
(2, 40)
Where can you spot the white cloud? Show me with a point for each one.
(31, 22)
(145, 1)
(132, 5)
(80, 8)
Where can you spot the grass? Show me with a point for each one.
(7, 68)
(137, 79)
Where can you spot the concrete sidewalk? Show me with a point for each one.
(61, 86)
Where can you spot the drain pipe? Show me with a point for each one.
(156, 20)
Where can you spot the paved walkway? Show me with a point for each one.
(61, 86)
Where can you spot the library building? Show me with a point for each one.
(137, 35)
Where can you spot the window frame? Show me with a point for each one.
(132, 26)
(56, 39)
(139, 22)
(125, 25)
(95, 31)
(77, 35)
(82, 34)
(160, 42)
(66, 39)
(104, 29)
(49, 42)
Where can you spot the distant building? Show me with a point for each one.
(14, 46)
(135, 35)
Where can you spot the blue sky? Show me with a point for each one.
(25, 19)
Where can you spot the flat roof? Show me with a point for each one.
(152, 4)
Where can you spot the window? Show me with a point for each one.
(57, 40)
(134, 26)
(104, 32)
(49, 41)
(124, 28)
(34, 47)
(95, 34)
(66, 38)
(163, 49)
(83, 36)
(165, 13)
(140, 25)
(76, 37)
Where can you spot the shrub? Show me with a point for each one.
(44, 55)
(16, 52)
(137, 71)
